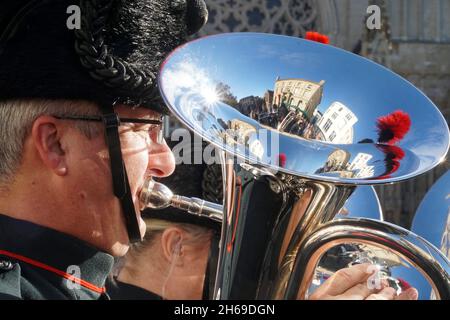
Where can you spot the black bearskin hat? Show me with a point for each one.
(113, 57)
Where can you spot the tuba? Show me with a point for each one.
(432, 221)
(300, 125)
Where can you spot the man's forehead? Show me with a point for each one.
(136, 112)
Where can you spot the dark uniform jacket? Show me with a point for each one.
(40, 263)
(123, 291)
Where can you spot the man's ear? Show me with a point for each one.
(172, 245)
(46, 136)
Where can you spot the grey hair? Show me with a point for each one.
(155, 227)
(16, 121)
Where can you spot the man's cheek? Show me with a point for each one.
(136, 169)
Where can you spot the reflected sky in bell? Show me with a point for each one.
(365, 87)
(363, 203)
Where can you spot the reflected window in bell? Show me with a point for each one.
(327, 125)
(332, 136)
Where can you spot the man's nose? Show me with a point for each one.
(161, 161)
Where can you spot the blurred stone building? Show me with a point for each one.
(413, 41)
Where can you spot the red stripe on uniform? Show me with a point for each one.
(60, 273)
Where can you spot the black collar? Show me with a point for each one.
(123, 291)
(55, 256)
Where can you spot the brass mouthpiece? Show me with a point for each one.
(156, 195)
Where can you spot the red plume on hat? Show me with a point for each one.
(316, 36)
(393, 127)
(392, 159)
(403, 284)
(282, 160)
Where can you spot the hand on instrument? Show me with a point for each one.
(353, 283)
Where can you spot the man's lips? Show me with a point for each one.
(137, 197)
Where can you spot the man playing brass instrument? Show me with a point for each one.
(79, 105)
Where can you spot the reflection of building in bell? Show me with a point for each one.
(445, 242)
(239, 132)
(268, 100)
(336, 124)
(244, 134)
(337, 163)
(251, 106)
(359, 166)
(381, 256)
(243, 128)
(298, 95)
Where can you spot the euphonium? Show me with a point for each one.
(432, 220)
(301, 124)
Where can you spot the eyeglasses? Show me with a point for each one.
(156, 130)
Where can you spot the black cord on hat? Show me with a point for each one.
(94, 55)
